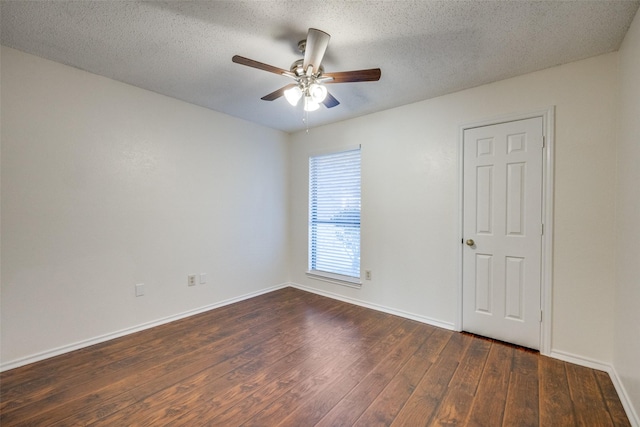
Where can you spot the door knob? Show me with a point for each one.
(470, 242)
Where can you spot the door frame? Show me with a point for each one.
(548, 132)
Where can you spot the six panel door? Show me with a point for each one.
(502, 229)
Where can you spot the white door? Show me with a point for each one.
(502, 231)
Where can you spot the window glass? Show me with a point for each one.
(334, 213)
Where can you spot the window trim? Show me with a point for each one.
(338, 279)
(325, 276)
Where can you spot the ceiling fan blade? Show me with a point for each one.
(278, 93)
(330, 101)
(261, 66)
(317, 42)
(370, 75)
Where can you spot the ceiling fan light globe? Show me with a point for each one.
(310, 104)
(317, 92)
(293, 95)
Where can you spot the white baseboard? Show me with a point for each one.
(406, 315)
(5, 366)
(615, 379)
(634, 419)
(580, 360)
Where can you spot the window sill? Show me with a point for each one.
(338, 279)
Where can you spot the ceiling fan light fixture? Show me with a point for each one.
(293, 95)
(317, 92)
(310, 104)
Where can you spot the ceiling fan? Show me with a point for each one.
(309, 75)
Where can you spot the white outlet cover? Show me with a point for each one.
(139, 289)
(203, 278)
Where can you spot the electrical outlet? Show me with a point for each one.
(367, 274)
(191, 280)
(203, 278)
(140, 289)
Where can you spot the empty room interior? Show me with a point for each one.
(426, 219)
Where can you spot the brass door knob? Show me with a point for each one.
(470, 242)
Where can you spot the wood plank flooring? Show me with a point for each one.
(292, 358)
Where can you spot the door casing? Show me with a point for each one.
(547, 116)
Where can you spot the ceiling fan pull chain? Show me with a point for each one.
(305, 119)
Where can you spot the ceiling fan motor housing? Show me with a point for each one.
(298, 69)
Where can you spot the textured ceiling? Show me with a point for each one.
(183, 49)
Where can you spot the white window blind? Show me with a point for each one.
(334, 213)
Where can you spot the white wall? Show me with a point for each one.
(627, 320)
(105, 185)
(409, 199)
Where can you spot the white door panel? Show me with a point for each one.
(502, 215)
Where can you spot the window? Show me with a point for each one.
(334, 216)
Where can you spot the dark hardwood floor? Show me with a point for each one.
(292, 358)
